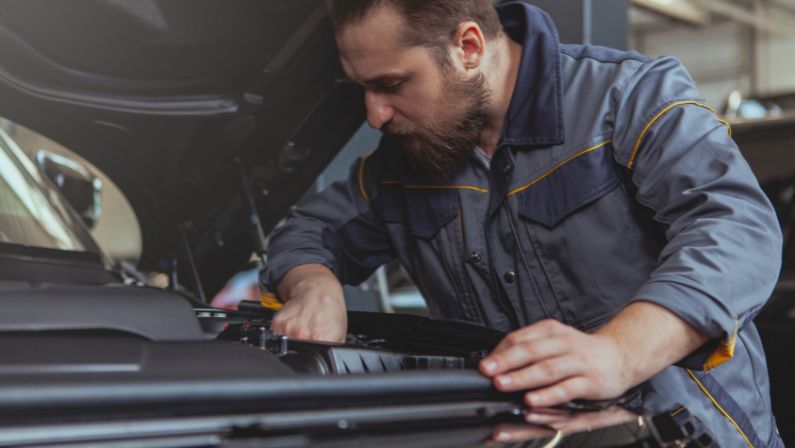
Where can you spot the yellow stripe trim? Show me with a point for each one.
(678, 411)
(434, 187)
(719, 407)
(723, 353)
(363, 190)
(659, 115)
(445, 187)
(268, 300)
(557, 167)
(727, 124)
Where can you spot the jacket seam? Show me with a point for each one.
(638, 58)
(432, 187)
(539, 253)
(557, 167)
(719, 407)
(659, 115)
(460, 269)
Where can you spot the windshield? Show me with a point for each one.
(30, 213)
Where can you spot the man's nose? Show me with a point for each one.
(379, 112)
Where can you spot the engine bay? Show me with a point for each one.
(376, 342)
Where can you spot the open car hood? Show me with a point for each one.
(106, 370)
(163, 96)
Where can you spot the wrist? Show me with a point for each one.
(303, 280)
(617, 354)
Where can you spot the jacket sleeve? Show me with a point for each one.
(336, 228)
(723, 250)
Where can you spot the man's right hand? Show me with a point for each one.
(315, 305)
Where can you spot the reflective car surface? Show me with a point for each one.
(31, 214)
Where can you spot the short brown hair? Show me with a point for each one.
(431, 22)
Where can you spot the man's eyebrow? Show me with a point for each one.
(380, 79)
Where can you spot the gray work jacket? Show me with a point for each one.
(612, 183)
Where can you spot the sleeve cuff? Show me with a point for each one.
(278, 267)
(702, 312)
(710, 355)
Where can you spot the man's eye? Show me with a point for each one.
(393, 87)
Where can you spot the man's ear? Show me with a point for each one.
(469, 45)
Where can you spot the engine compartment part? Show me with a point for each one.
(145, 312)
(376, 342)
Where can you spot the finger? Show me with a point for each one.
(277, 326)
(327, 335)
(542, 329)
(557, 394)
(519, 433)
(546, 419)
(522, 354)
(540, 374)
(590, 420)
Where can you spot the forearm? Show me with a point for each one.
(301, 279)
(650, 338)
(314, 305)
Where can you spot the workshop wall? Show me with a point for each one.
(724, 54)
(776, 67)
(719, 57)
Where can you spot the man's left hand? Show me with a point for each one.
(557, 364)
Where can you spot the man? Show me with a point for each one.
(580, 196)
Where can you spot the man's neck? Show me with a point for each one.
(504, 73)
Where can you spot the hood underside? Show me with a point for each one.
(164, 95)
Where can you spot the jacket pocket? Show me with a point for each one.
(577, 183)
(580, 224)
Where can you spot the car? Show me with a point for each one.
(213, 121)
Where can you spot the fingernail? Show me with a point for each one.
(533, 399)
(489, 366)
(503, 437)
(505, 380)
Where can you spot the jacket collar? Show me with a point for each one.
(535, 115)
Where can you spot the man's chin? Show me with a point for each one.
(440, 169)
(437, 159)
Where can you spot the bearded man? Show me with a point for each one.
(583, 199)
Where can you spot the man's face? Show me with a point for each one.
(436, 111)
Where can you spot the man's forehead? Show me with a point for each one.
(374, 47)
(377, 66)
(379, 30)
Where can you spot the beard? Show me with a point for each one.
(440, 149)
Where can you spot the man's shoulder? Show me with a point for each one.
(591, 68)
(604, 55)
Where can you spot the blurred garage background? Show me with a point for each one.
(740, 52)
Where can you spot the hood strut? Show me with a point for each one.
(257, 234)
(191, 263)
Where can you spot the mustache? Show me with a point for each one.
(392, 128)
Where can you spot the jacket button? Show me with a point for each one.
(510, 276)
(507, 168)
(475, 257)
